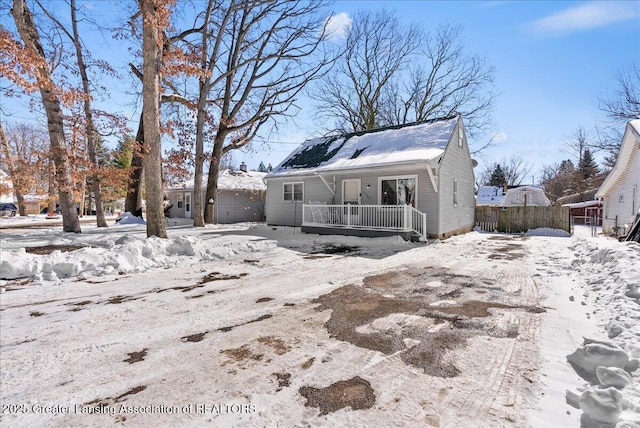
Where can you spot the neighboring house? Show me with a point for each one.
(241, 196)
(525, 196)
(619, 191)
(6, 187)
(408, 179)
(585, 209)
(490, 195)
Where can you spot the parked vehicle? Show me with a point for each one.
(8, 210)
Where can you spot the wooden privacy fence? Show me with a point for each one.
(521, 219)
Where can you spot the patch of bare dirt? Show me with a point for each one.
(217, 276)
(116, 300)
(264, 299)
(48, 249)
(358, 315)
(104, 402)
(283, 380)
(336, 249)
(36, 314)
(231, 327)
(136, 357)
(307, 364)
(194, 337)
(507, 252)
(355, 393)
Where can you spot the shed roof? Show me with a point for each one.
(409, 143)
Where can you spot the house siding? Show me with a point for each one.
(236, 206)
(233, 206)
(286, 213)
(623, 187)
(281, 213)
(455, 164)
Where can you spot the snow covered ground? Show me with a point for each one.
(250, 325)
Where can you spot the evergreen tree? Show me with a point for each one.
(498, 177)
(269, 168)
(262, 168)
(587, 167)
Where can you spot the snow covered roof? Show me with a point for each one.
(584, 204)
(232, 180)
(409, 143)
(490, 195)
(629, 142)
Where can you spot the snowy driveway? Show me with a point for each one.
(256, 326)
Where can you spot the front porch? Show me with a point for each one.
(364, 220)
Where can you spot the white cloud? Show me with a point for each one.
(338, 25)
(499, 137)
(587, 16)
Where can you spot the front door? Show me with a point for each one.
(351, 195)
(187, 205)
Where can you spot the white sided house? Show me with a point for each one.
(620, 190)
(412, 180)
(240, 198)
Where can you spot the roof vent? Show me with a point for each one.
(243, 167)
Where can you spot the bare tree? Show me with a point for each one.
(392, 75)
(90, 129)
(51, 101)
(356, 93)
(624, 103)
(272, 50)
(513, 171)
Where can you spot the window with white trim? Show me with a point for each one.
(180, 199)
(293, 192)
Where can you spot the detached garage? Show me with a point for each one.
(241, 196)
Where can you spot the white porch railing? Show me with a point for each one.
(369, 217)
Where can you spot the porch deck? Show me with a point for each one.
(347, 219)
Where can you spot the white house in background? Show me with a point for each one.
(530, 196)
(490, 195)
(241, 196)
(413, 179)
(620, 190)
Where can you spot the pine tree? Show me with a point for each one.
(498, 177)
(269, 168)
(262, 168)
(587, 167)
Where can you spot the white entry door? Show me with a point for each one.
(351, 195)
(187, 205)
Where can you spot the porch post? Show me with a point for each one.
(406, 217)
(348, 215)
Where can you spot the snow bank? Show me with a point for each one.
(126, 254)
(612, 396)
(128, 218)
(547, 231)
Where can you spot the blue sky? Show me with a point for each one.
(553, 60)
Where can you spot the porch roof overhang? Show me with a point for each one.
(407, 166)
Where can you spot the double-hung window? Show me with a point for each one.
(293, 192)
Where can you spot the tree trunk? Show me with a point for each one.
(29, 34)
(151, 47)
(89, 127)
(133, 200)
(14, 173)
(212, 180)
(198, 211)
